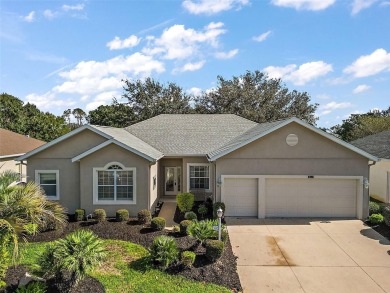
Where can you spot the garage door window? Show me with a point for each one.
(199, 177)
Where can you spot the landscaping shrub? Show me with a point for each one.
(79, 215)
(144, 216)
(158, 224)
(188, 258)
(99, 215)
(122, 215)
(386, 214)
(216, 206)
(376, 218)
(31, 229)
(164, 251)
(184, 225)
(202, 210)
(7, 239)
(201, 230)
(214, 249)
(33, 287)
(190, 216)
(185, 201)
(76, 254)
(176, 228)
(374, 208)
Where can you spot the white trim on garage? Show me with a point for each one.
(262, 192)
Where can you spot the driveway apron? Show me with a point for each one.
(309, 255)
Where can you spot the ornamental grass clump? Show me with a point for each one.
(164, 251)
(185, 201)
(122, 215)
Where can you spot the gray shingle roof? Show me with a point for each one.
(376, 144)
(245, 138)
(190, 134)
(122, 136)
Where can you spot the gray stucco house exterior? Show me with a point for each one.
(286, 168)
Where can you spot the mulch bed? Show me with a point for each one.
(223, 272)
(382, 229)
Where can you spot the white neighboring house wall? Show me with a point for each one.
(9, 163)
(380, 180)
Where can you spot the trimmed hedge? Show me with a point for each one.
(374, 208)
(386, 214)
(376, 218)
(190, 216)
(214, 249)
(188, 258)
(79, 215)
(185, 201)
(122, 215)
(158, 224)
(144, 216)
(99, 215)
(184, 225)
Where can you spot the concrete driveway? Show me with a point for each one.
(304, 255)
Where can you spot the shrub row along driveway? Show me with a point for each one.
(303, 255)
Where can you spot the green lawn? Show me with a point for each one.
(128, 269)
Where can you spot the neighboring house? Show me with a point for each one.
(286, 168)
(378, 145)
(12, 146)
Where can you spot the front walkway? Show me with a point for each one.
(311, 256)
(168, 212)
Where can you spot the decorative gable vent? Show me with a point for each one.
(292, 139)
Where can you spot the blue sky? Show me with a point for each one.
(67, 54)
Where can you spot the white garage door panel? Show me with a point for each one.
(240, 196)
(310, 198)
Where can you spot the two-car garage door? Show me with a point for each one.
(291, 197)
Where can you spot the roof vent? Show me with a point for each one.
(292, 139)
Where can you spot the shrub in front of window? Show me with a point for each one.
(99, 215)
(144, 216)
(122, 215)
(214, 249)
(190, 216)
(158, 224)
(216, 206)
(201, 230)
(79, 215)
(376, 218)
(31, 229)
(188, 258)
(202, 210)
(33, 287)
(184, 225)
(164, 251)
(386, 214)
(185, 201)
(374, 208)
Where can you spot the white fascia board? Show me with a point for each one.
(10, 156)
(108, 142)
(304, 124)
(61, 138)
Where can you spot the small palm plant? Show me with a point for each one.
(77, 254)
(164, 251)
(201, 230)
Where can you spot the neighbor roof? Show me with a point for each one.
(14, 144)
(377, 144)
(190, 134)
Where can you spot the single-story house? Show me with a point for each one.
(12, 146)
(378, 145)
(286, 168)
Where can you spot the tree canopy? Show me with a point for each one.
(361, 125)
(27, 119)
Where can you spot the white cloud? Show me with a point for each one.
(48, 101)
(262, 37)
(190, 67)
(49, 14)
(368, 65)
(301, 75)
(29, 17)
(330, 107)
(359, 5)
(129, 42)
(226, 55)
(77, 7)
(323, 97)
(177, 42)
(304, 4)
(212, 6)
(196, 91)
(385, 3)
(361, 88)
(104, 98)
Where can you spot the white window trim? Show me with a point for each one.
(57, 172)
(199, 164)
(96, 200)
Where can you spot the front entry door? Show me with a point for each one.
(172, 180)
